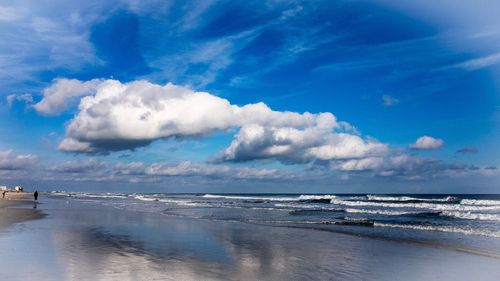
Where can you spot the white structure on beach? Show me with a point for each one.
(18, 188)
(3, 187)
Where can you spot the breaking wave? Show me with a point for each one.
(442, 228)
(468, 215)
(450, 199)
(391, 212)
(431, 206)
(480, 202)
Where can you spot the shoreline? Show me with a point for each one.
(428, 244)
(374, 236)
(10, 214)
(472, 244)
(114, 243)
(14, 209)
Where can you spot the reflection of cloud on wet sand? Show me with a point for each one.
(101, 255)
(162, 248)
(98, 256)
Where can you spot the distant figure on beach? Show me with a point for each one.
(36, 195)
(3, 193)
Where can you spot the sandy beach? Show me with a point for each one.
(84, 240)
(10, 212)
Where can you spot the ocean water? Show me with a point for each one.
(464, 222)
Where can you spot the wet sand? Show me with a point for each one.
(88, 241)
(16, 207)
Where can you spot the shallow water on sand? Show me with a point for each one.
(468, 222)
(88, 240)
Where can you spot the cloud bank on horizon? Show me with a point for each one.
(284, 93)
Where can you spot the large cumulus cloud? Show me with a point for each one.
(121, 116)
(289, 144)
(125, 116)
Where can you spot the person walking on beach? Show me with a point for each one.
(3, 193)
(36, 195)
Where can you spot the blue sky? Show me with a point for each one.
(250, 96)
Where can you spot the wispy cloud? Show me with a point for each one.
(479, 63)
(9, 14)
(37, 40)
(467, 149)
(389, 100)
(27, 99)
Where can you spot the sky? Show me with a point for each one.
(250, 96)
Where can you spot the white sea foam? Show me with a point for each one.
(381, 212)
(430, 206)
(89, 195)
(443, 228)
(270, 198)
(345, 197)
(59, 193)
(303, 206)
(145, 198)
(156, 198)
(456, 214)
(102, 196)
(316, 197)
(471, 216)
(407, 198)
(479, 202)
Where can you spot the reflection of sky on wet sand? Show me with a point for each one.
(89, 242)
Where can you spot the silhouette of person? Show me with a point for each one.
(3, 194)
(36, 195)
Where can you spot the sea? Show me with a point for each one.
(466, 222)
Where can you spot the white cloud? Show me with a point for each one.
(25, 98)
(118, 116)
(214, 55)
(479, 63)
(291, 12)
(40, 38)
(194, 11)
(9, 14)
(62, 93)
(66, 40)
(79, 166)
(9, 160)
(364, 164)
(92, 169)
(404, 166)
(124, 116)
(187, 168)
(412, 167)
(389, 100)
(289, 144)
(426, 142)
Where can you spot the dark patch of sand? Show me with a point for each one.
(10, 214)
